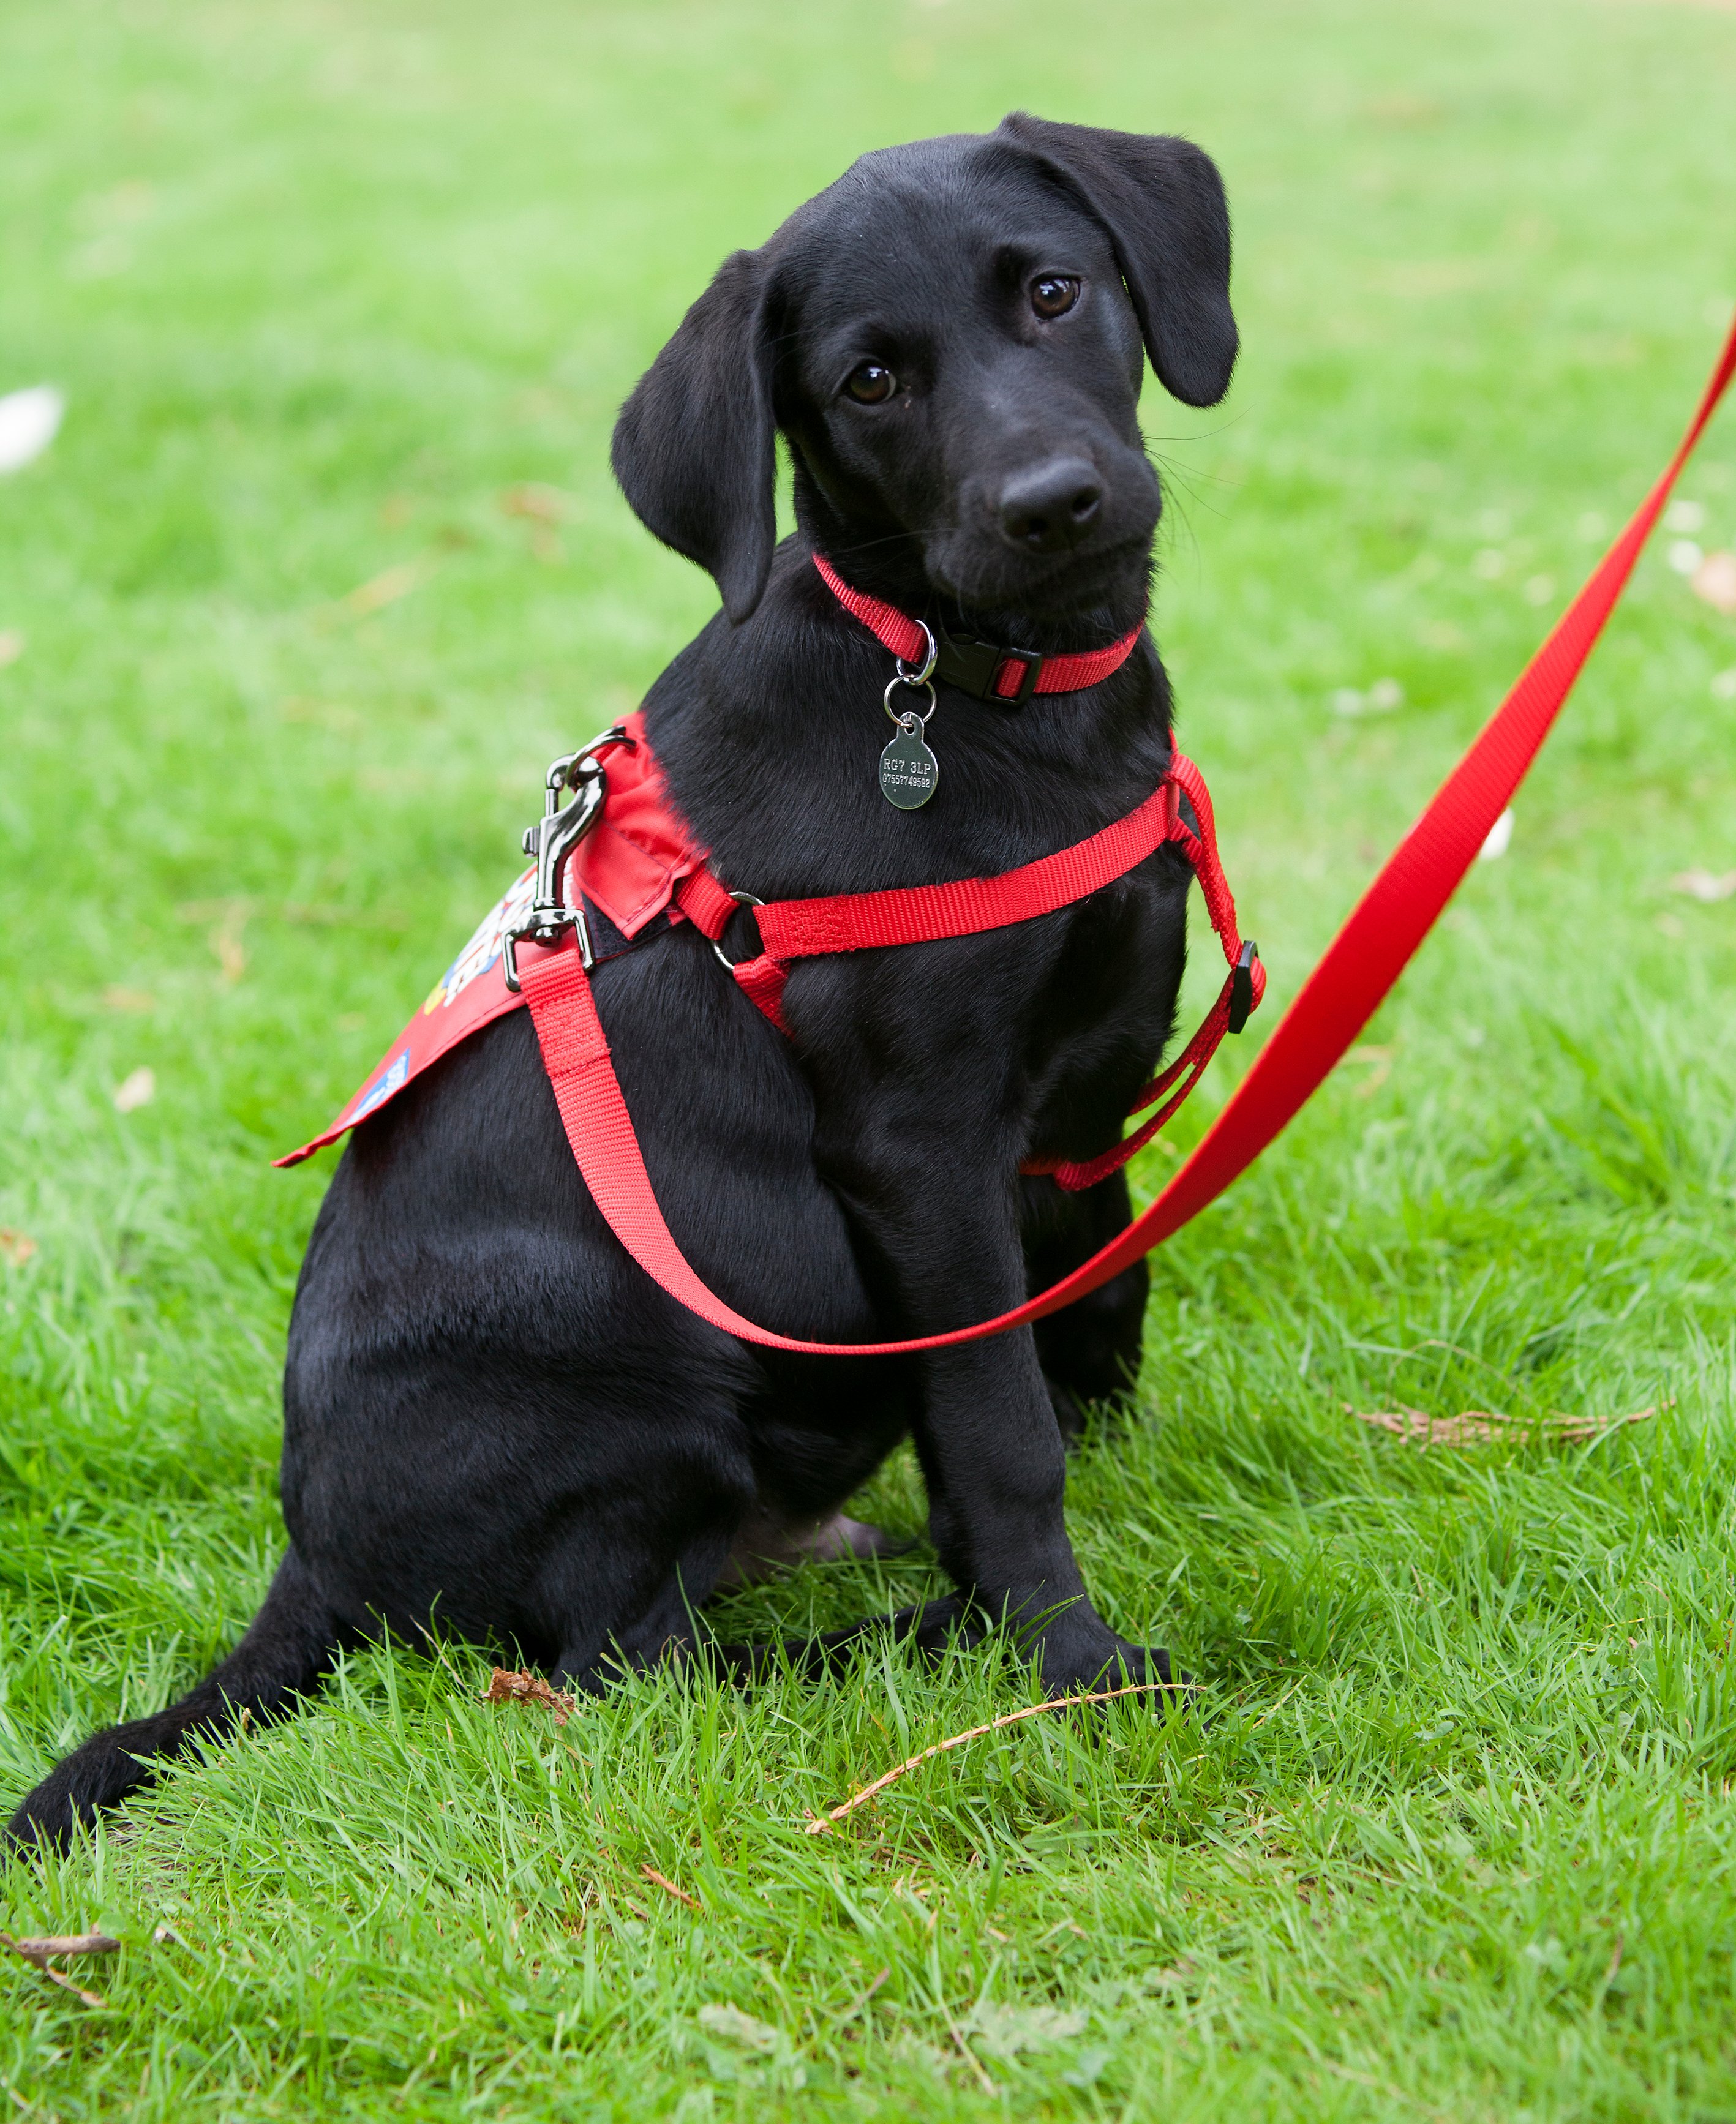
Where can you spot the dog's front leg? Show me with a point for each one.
(985, 1433)
(995, 1467)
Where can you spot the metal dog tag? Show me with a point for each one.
(909, 771)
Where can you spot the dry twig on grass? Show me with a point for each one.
(509, 1685)
(820, 1824)
(37, 1951)
(1479, 1426)
(669, 1888)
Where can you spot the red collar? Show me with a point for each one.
(1011, 675)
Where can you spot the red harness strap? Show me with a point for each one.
(910, 641)
(924, 914)
(1228, 1014)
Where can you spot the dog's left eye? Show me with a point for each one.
(1054, 295)
(869, 384)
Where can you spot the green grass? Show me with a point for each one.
(1449, 1834)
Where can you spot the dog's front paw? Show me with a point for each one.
(1098, 1662)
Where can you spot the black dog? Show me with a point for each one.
(492, 1416)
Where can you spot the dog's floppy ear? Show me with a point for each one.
(1161, 201)
(693, 448)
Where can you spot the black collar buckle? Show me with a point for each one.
(973, 667)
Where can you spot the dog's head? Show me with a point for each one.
(952, 339)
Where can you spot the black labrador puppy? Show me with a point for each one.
(493, 1417)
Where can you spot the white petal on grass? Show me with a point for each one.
(28, 422)
(1715, 580)
(1705, 884)
(138, 1090)
(12, 645)
(1500, 836)
(1685, 555)
(1686, 517)
(1381, 699)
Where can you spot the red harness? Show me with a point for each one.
(638, 861)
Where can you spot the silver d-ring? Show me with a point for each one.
(916, 686)
(923, 672)
(742, 900)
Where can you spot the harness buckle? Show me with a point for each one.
(551, 841)
(1241, 986)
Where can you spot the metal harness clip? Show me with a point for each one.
(552, 840)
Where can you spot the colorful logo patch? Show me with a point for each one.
(385, 1084)
(484, 946)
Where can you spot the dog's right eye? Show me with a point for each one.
(1054, 295)
(869, 384)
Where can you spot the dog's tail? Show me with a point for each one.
(286, 1650)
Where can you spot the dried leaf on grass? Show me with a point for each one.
(543, 505)
(509, 1685)
(1479, 1426)
(820, 1824)
(386, 588)
(1381, 1059)
(736, 2027)
(63, 1943)
(1004, 2031)
(37, 1952)
(16, 1247)
(227, 944)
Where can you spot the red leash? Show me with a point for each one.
(1359, 970)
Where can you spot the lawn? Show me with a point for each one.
(323, 567)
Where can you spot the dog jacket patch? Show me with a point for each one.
(628, 867)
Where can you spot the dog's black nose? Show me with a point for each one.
(1049, 509)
